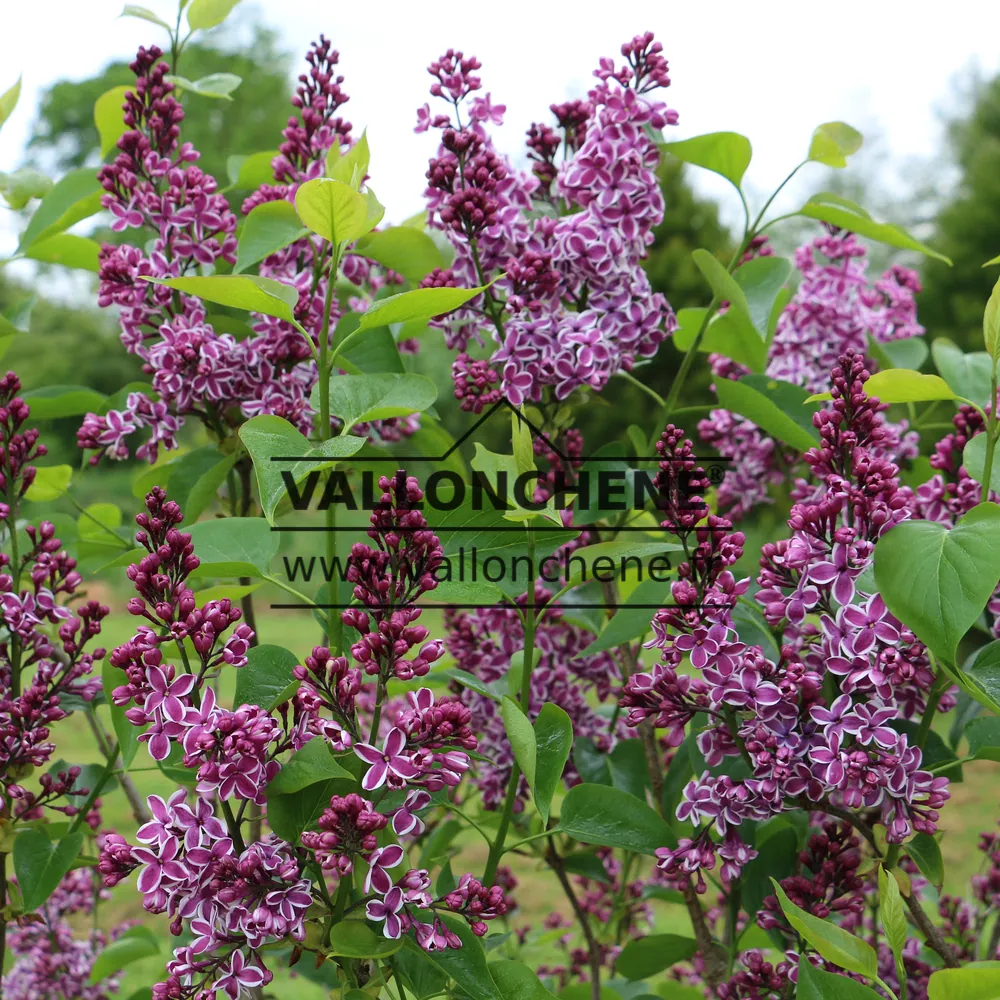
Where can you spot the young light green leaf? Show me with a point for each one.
(8, 100)
(233, 546)
(127, 734)
(553, 743)
(108, 117)
(219, 85)
(268, 228)
(358, 398)
(205, 14)
(268, 678)
(521, 439)
(134, 945)
(51, 482)
(40, 864)
(403, 249)
(967, 373)
(72, 198)
(832, 942)
(521, 737)
(937, 581)
(891, 912)
(725, 153)
(351, 167)
(249, 172)
(67, 249)
(862, 224)
(779, 408)
(355, 939)
(975, 981)
(239, 291)
(991, 323)
(333, 210)
(609, 817)
(418, 304)
(268, 438)
(815, 984)
(833, 142)
(901, 385)
(644, 957)
(722, 283)
(762, 280)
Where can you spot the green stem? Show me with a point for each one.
(234, 827)
(652, 393)
(497, 849)
(991, 433)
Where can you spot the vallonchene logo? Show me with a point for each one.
(496, 530)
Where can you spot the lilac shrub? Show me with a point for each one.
(764, 741)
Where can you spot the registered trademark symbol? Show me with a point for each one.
(716, 473)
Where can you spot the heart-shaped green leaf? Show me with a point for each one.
(40, 864)
(937, 581)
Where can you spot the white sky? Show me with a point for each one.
(770, 69)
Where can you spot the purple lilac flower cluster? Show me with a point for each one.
(814, 726)
(834, 309)
(573, 305)
(50, 962)
(45, 639)
(155, 184)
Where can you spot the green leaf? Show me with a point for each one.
(407, 251)
(252, 171)
(66, 249)
(106, 514)
(109, 116)
(833, 142)
(762, 280)
(553, 742)
(609, 817)
(268, 228)
(856, 221)
(195, 479)
(239, 291)
(724, 153)
(127, 734)
(516, 981)
(314, 762)
(205, 14)
(219, 85)
(832, 942)
(72, 198)
(8, 100)
(984, 737)
(778, 408)
(991, 322)
(268, 678)
(370, 352)
(40, 864)
(268, 437)
(630, 768)
(361, 398)
(632, 618)
(134, 944)
(722, 283)
(418, 304)
(144, 14)
(968, 374)
(901, 385)
(646, 956)
(19, 187)
(891, 912)
(54, 401)
(290, 815)
(926, 854)
(521, 737)
(466, 965)
(910, 352)
(815, 984)
(350, 167)
(233, 546)
(937, 581)
(974, 460)
(777, 855)
(984, 675)
(51, 482)
(355, 939)
(975, 981)
(333, 210)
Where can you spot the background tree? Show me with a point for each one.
(967, 228)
